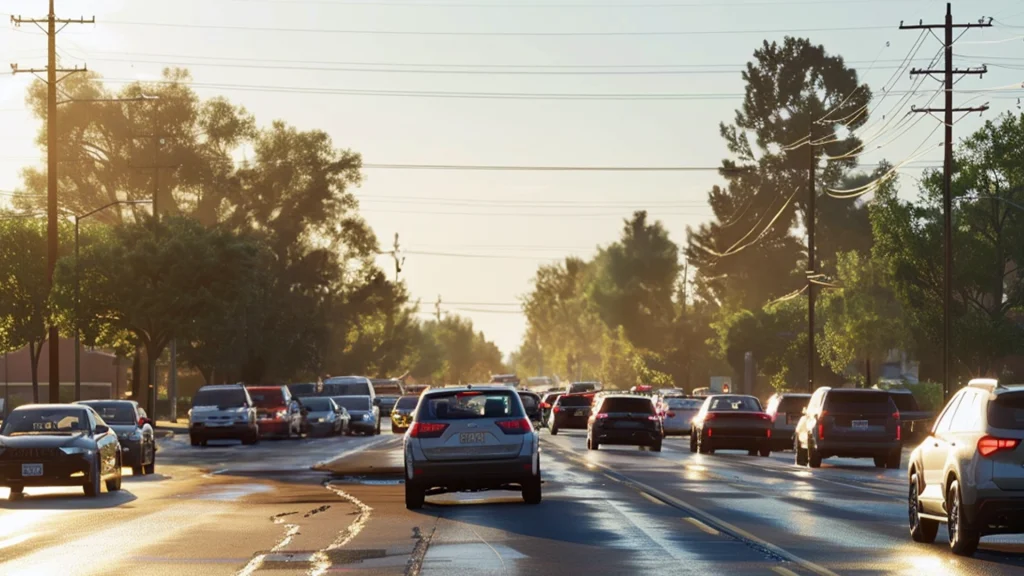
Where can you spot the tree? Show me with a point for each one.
(796, 93)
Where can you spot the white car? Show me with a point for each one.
(471, 438)
(222, 413)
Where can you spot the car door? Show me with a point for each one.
(934, 451)
(106, 444)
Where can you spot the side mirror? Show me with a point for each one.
(101, 429)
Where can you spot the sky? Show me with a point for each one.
(533, 79)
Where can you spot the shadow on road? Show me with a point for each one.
(67, 500)
(131, 478)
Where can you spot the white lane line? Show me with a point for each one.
(257, 561)
(702, 526)
(783, 571)
(321, 561)
(371, 444)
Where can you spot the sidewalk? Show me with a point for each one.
(166, 429)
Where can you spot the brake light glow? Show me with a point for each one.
(655, 418)
(709, 416)
(899, 431)
(821, 431)
(600, 416)
(518, 426)
(896, 415)
(556, 409)
(989, 445)
(769, 432)
(465, 394)
(671, 414)
(545, 405)
(765, 417)
(427, 429)
(709, 432)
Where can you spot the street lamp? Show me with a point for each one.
(78, 352)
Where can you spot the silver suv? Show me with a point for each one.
(471, 438)
(969, 472)
(223, 413)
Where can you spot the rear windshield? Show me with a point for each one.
(388, 400)
(407, 402)
(317, 404)
(905, 402)
(115, 412)
(354, 403)
(575, 400)
(529, 401)
(684, 403)
(550, 398)
(793, 404)
(469, 404)
(631, 405)
(230, 398)
(583, 387)
(349, 388)
(859, 402)
(735, 404)
(1007, 411)
(302, 389)
(267, 398)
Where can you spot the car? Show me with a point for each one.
(402, 414)
(571, 412)
(849, 423)
(223, 412)
(134, 432)
(546, 403)
(577, 387)
(349, 386)
(531, 403)
(471, 438)
(325, 417)
(785, 409)
(915, 423)
(386, 404)
(365, 416)
(678, 414)
(507, 379)
(58, 445)
(731, 422)
(624, 419)
(306, 389)
(969, 472)
(278, 413)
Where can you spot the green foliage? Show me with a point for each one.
(455, 353)
(618, 369)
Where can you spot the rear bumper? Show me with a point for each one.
(857, 448)
(569, 422)
(472, 474)
(998, 515)
(361, 426)
(737, 442)
(55, 473)
(131, 453)
(233, 432)
(627, 437)
(320, 428)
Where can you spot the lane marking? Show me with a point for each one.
(651, 498)
(321, 561)
(783, 571)
(319, 466)
(702, 526)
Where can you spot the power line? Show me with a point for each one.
(566, 5)
(477, 256)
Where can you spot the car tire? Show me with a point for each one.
(532, 493)
(394, 429)
(251, 440)
(921, 529)
(17, 492)
(196, 441)
(138, 470)
(92, 485)
(693, 442)
(593, 444)
(880, 461)
(895, 460)
(656, 447)
(114, 484)
(414, 497)
(801, 454)
(752, 452)
(554, 430)
(151, 467)
(704, 445)
(813, 457)
(963, 540)
(765, 452)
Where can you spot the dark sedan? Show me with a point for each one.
(732, 422)
(134, 431)
(624, 419)
(58, 445)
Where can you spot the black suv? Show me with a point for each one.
(571, 411)
(624, 419)
(850, 423)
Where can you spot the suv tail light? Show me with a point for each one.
(600, 416)
(671, 414)
(821, 431)
(518, 426)
(556, 409)
(427, 429)
(896, 415)
(989, 445)
(765, 417)
(654, 417)
(709, 416)
(545, 405)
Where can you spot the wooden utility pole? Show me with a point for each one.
(52, 156)
(947, 167)
(811, 262)
(437, 309)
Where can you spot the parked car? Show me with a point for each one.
(577, 387)
(134, 432)
(365, 416)
(58, 445)
(386, 404)
(471, 438)
(222, 412)
(402, 414)
(677, 414)
(571, 412)
(785, 409)
(325, 418)
(546, 403)
(969, 473)
(624, 419)
(277, 412)
(915, 423)
(849, 423)
(531, 404)
(306, 389)
(731, 422)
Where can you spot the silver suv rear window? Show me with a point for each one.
(469, 405)
(226, 398)
(1007, 411)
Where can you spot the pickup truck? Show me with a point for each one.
(915, 423)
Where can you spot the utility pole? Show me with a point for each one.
(811, 262)
(437, 309)
(947, 167)
(52, 155)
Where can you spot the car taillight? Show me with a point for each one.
(518, 426)
(899, 431)
(709, 416)
(427, 429)
(671, 414)
(556, 409)
(653, 417)
(896, 415)
(709, 432)
(769, 431)
(989, 445)
(821, 431)
(765, 417)
(545, 405)
(601, 416)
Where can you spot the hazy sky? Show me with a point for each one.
(269, 54)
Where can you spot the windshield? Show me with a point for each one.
(225, 397)
(469, 404)
(45, 421)
(347, 388)
(1007, 411)
(318, 404)
(793, 404)
(115, 412)
(407, 402)
(905, 402)
(302, 389)
(575, 400)
(735, 404)
(627, 405)
(859, 402)
(388, 400)
(267, 398)
(351, 403)
(530, 402)
(684, 403)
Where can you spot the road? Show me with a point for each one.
(237, 510)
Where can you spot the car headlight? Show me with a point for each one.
(319, 420)
(280, 414)
(242, 417)
(76, 450)
(367, 417)
(135, 436)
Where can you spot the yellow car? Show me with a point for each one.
(402, 414)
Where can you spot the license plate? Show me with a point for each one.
(581, 412)
(31, 470)
(859, 424)
(471, 438)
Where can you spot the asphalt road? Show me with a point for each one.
(237, 510)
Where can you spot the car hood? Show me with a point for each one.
(359, 413)
(40, 441)
(323, 414)
(122, 429)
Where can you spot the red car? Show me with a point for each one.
(277, 411)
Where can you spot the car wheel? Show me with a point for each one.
(196, 441)
(801, 454)
(704, 445)
(656, 447)
(921, 529)
(963, 541)
(532, 490)
(137, 470)
(151, 467)
(554, 430)
(879, 461)
(894, 461)
(394, 429)
(693, 441)
(813, 457)
(92, 483)
(765, 452)
(17, 492)
(752, 452)
(414, 496)
(114, 484)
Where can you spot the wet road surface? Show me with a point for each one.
(240, 510)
